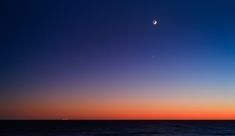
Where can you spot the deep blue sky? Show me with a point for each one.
(112, 43)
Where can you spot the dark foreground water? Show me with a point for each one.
(117, 128)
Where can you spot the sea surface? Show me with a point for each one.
(117, 128)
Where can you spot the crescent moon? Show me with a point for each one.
(155, 22)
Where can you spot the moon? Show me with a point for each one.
(155, 22)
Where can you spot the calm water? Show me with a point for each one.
(117, 128)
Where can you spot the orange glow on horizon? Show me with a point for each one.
(111, 109)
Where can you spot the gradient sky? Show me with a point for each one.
(87, 59)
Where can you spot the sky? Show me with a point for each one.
(87, 59)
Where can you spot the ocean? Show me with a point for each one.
(118, 128)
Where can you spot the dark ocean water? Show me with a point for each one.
(117, 128)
